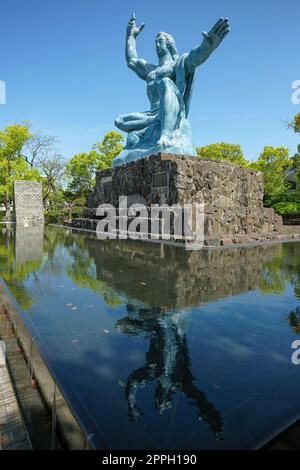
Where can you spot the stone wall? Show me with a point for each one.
(28, 202)
(232, 194)
(291, 219)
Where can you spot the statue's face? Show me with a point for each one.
(161, 46)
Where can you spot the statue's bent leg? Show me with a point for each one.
(134, 121)
(169, 109)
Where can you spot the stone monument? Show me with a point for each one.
(28, 203)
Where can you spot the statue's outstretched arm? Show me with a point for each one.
(139, 66)
(210, 42)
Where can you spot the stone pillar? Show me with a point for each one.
(28, 202)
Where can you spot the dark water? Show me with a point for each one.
(161, 348)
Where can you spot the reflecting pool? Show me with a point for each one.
(161, 348)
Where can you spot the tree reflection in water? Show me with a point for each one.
(294, 320)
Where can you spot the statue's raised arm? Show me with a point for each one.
(211, 41)
(139, 66)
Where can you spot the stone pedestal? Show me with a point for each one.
(232, 195)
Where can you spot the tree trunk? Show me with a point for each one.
(7, 209)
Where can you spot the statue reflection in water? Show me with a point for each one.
(167, 362)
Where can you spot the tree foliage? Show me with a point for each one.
(13, 166)
(295, 123)
(273, 162)
(81, 169)
(108, 149)
(223, 151)
(286, 207)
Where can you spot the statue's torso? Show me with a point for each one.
(153, 80)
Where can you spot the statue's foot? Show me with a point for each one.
(165, 141)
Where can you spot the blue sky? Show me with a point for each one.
(64, 67)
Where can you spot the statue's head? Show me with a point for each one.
(165, 44)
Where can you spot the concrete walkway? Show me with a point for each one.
(13, 435)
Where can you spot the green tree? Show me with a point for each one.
(108, 149)
(81, 169)
(13, 165)
(296, 159)
(295, 123)
(273, 162)
(223, 151)
(296, 169)
(74, 204)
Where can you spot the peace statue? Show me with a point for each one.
(165, 127)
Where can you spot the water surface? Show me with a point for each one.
(157, 347)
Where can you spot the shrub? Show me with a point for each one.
(58, 216)
(55, 216)
(287, 208)
(77, 211)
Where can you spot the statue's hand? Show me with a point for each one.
(132, 28)
(216, 34)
